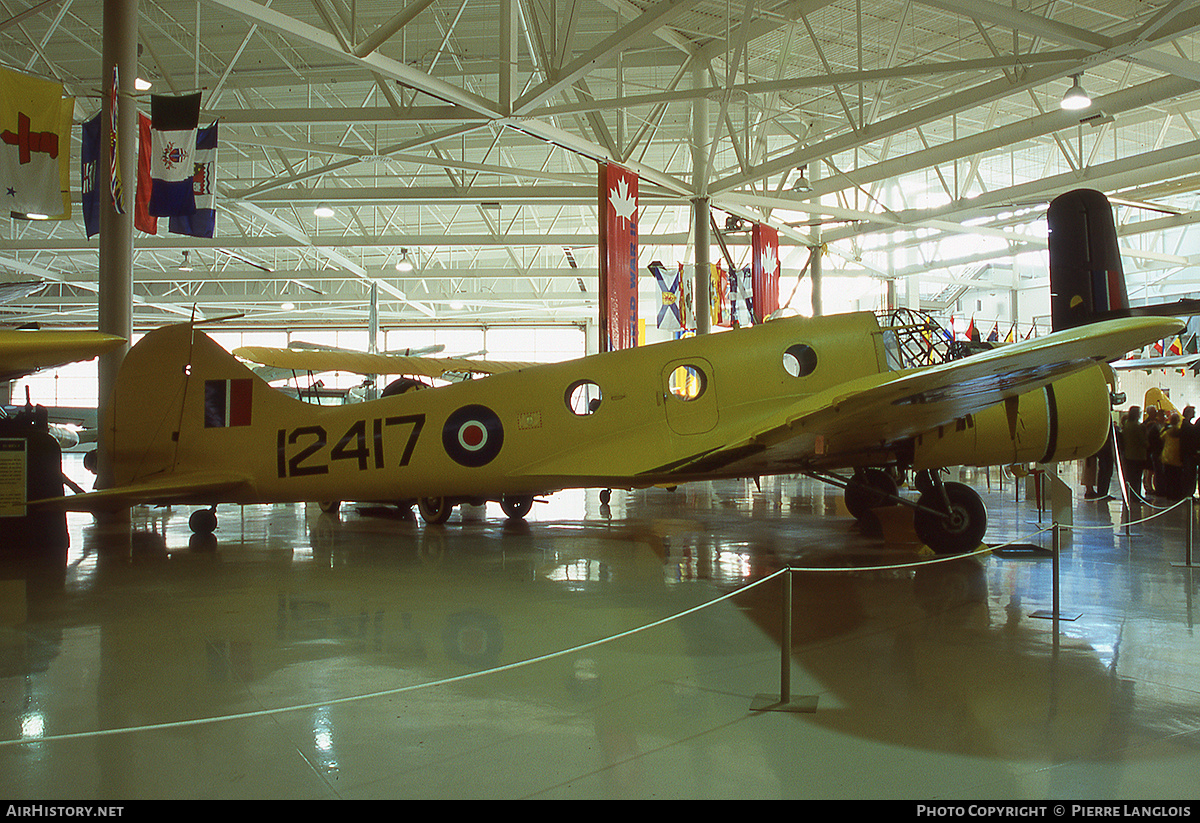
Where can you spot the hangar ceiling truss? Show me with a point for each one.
(465, 136)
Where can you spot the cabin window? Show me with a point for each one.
(687, 382)
(584, 397)
(800, 360)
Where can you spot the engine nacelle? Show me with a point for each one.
(1069, 419)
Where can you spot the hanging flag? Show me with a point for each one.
(994, 337)
(670, 312)
(1012, 334)
(741, 297)
(32, 147)
(89, 173)
(764, 243)
(618, 257)
(971, 333)
(203, 223)
(1177, 346)
(173, 122)
(143, 220)
(116, 189)
(719, 304)
(686, 301)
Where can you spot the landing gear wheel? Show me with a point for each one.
(435, 510)
(959, 530)
(203, 521)
(330, 506)
(605, 496)
(870, 489)
(515, 507)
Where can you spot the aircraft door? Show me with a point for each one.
(689, 396)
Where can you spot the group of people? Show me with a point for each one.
(1160, 452)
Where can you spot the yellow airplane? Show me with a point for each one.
(193, 424)
(820, 396)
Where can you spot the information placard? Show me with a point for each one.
(13, 462)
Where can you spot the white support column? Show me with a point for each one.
(115, 302)
(701, 137)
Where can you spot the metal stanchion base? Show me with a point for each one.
(1021, 550)
(1048, 614)
(772, 703)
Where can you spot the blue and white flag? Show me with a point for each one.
(173, 125)
(203, 223)
(741, 296)
(670, 312)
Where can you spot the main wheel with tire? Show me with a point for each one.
(435, 510)
(954, 531)
(203, 521)
(516, 506)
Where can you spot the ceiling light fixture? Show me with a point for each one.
(1076, 98)
(802, 183)
(185, 265)
(323, 210)
(404, 264)
(141, 84)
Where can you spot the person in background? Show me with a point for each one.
(1190, 443)
(1153, 475)
(1172, 458)
(1133, 451)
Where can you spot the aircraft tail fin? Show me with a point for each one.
(183, 404)
(1087, 282)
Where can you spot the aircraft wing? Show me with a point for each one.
(889, 407)
(24, 352)
(190, 487)
(1181, 361)
(320, 360)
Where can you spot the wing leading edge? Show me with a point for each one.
(23, 352)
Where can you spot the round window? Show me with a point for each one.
(583, 397)
(687, 382)
(799, 360)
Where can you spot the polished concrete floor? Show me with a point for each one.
(300, 655)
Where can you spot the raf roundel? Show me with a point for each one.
(473, 436)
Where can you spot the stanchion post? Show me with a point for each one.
(785, 641)
(785, 703)
(1189, 513)
(1056, 544)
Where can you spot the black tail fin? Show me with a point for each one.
(1086, 279)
